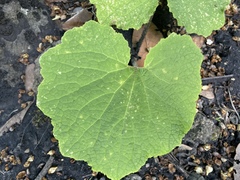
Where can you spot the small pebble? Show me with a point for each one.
(209, 42)
(133, 177)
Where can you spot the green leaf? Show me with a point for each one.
(112, 115)
(199, 16)
(125, 13)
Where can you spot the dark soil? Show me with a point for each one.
(211, 142)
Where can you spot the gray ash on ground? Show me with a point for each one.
(20, 32)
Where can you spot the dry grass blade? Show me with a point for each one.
(233, 105)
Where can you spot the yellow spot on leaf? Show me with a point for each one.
(164, 71)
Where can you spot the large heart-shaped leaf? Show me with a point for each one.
(110, 114)
(125, 14)
(199, 16)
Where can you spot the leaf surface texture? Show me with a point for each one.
(125, 14)
(112, 115)
(199, 16)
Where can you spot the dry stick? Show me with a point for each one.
(45, 169)
(208, 80)
(233, 105)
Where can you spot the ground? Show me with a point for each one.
(28, 147)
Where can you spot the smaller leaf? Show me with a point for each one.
(199, 16)
(125, 14)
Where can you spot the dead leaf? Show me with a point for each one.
(198, 40)
(236, 166)
(29, 77)
(207, 92)
(152, 37)
(77, 20)
(15, 119)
